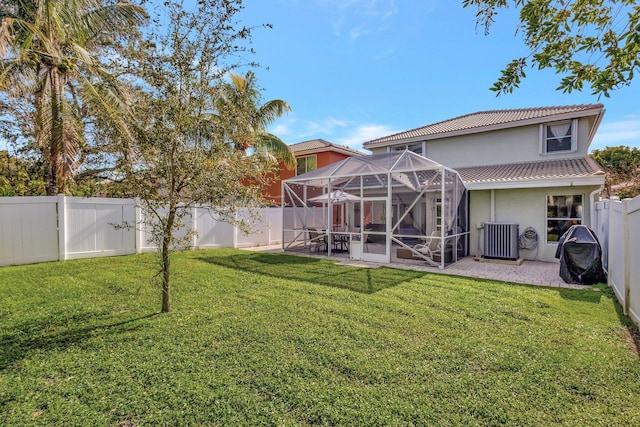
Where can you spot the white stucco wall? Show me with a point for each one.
(526, 207)
(521, 144)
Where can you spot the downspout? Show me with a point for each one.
(493, 205)
(492, 218)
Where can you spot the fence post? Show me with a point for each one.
(234, 237)
(602, 229)
(626, 264)
(62, 228)
(138, 226)
(610, 244)
(194, 227)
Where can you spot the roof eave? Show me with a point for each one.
(577, 181)
(596, 125)
(311, 151)
(597, 111)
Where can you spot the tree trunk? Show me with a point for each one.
(57, 133)
(52, 176)
(166, 261)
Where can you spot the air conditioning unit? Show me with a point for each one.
(501, 240)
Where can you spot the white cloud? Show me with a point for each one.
(619, 132)
(292, 130)
(356, 32)
(362, 133)
(322, 127)
(382, 54)
(362, 17)
(280, 129)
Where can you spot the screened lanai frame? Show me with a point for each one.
(346, 207)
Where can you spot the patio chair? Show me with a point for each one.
(339, 242)
(317, 241)
(431, 248)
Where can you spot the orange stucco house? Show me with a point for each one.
(310, 155)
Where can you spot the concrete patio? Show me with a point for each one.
(529, 272)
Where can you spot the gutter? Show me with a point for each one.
(535, 183)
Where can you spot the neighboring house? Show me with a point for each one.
(525, 166)
(310, 155)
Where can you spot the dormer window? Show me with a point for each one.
(416, 148)
(559, 137)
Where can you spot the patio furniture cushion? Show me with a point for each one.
(411, 231)
(404, 253)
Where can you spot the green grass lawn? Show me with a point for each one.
(274, 339)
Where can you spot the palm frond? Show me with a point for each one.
(112, 16)
(16, 73)
(270, 111)
(108, 101)
(72, 142)
(6, 26)
(276, 147)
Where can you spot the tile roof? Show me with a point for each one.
(316, 145)
(545, 169)
(476, 122)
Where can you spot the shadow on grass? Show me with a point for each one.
(584, 295)
(316, 271)
(590, 295)
(55, 332)
(626, 322)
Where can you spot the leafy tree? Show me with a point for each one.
(183, 155)
(622, 167)
(50, 53)
(596, 42)
(19, 176)
(242, 97)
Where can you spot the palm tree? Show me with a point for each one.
(247, 120)
(49, 51)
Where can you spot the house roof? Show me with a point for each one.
(407, 169)
(381, 163)
(484, 121)
(319, 145)
(516, 174)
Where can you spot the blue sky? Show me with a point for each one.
(355, 70)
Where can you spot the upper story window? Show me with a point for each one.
(306, 164)
(560, 137)
(416, 148)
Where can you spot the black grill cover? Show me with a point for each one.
(580, 256)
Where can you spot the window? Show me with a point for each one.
(562, 213)
(416, 148)
(306, 164)
(558, 137)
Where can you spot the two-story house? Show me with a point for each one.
(525, 166)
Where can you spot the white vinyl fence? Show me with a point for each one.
(621, 220)
(38, 229)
